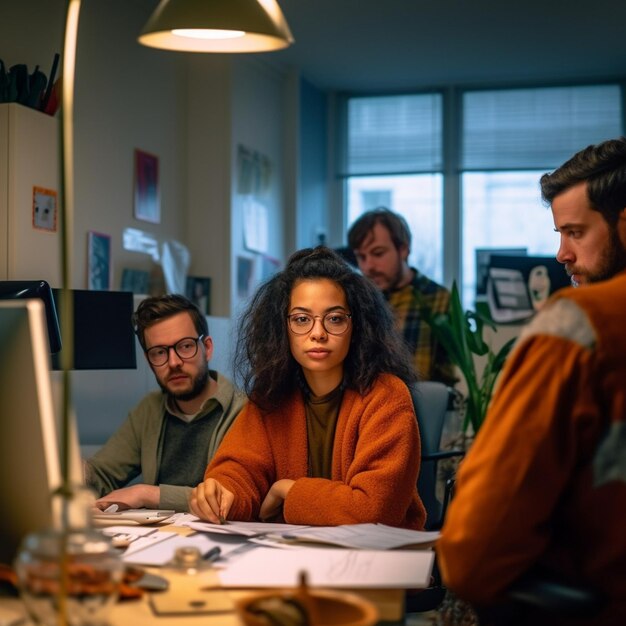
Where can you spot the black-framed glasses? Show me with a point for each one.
(186, 349)
(335, 323)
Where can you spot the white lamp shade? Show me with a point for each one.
(217, 26)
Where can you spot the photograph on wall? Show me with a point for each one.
(147, 201)
(98, 261)
(44, 209)
(245, 268)
(198, 290)
(136, 281)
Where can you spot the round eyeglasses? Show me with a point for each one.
(186, 349)
(335, 323)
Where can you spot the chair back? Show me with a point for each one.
(431, 401)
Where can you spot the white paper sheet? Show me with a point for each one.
(362, 536)
(268, 567)
(162, 553)
(244, 529)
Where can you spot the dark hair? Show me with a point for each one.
(394, 223)
(263, 357)
(603, 168)
(157, 308)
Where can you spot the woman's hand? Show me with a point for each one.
(273, 502)
(211, 501)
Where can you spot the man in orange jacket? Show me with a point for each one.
(544, 483)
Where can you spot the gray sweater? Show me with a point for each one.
(136, 447)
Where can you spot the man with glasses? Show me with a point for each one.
(169, 437)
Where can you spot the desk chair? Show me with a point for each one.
(432, 402)
(544, 595)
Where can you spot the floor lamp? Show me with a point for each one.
(226, 26)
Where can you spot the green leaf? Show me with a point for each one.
(461, 335)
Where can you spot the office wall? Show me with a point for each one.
(127, 97)
(190, 110)
(208, 131)
(258, 111)
(313, 204)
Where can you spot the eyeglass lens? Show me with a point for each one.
(333, 323)
(186, 348)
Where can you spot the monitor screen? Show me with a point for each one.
(24, 289)
(30, 467)
(103, 331)
(483, 257)
(518, 286)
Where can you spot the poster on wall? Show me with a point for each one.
(98, 261)
(147, 200)
(245, 269)
(136, 281)
(44, 209)
(198, 290)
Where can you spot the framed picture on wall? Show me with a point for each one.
(98, 261)
(147, 198)
(198, 290)
(44, 209)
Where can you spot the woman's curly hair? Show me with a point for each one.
(263, 358)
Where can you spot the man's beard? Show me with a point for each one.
(395, 281)
(198, 387)
(611, 263)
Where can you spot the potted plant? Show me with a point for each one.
(461, 334)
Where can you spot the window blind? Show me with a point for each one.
(536, 128)
(394, 134)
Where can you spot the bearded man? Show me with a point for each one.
(172, 434)
(543, 487)
(381, 242)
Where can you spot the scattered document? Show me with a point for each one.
(338, 568)
(139, 531)
(244, 529)
(147, 541)
(362, 536)
(162, 552)
(183, 519)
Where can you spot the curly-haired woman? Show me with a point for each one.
(329, 436)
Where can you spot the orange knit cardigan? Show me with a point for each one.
(375, 463)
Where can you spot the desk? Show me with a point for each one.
(390, 604)
(185, 588)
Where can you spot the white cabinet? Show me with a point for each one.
(29, 158)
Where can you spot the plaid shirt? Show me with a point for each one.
(430, 359)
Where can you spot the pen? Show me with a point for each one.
(212, 555)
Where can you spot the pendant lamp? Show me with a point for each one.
(217, 26)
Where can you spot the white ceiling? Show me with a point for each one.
(396, 45)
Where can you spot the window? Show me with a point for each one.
(394, 159)
(510, 139)
(392, 154)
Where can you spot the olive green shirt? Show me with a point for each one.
(321, 422)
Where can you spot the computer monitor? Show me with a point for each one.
(30, 466)
(518, 286)
(25, 289)
(103, 330)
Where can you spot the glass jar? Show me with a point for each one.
(75, 573)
